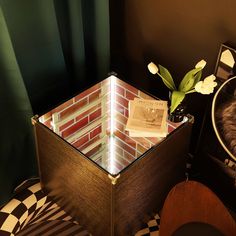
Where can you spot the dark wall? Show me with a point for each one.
(176, 34)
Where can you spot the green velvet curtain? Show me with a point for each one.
(49, 51)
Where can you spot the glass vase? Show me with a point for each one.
(178, 114)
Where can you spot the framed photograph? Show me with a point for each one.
(225, 66)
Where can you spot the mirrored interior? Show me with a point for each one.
(224, 101)
(94, 122)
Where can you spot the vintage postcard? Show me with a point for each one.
(147, 117)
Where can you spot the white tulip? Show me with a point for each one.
(198, 86)
(210, 79)
(206, 86)
(201, 64)
(152, 68)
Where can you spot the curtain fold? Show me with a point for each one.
(85, 35)
(70, 25)
(17, 156)
(49, 50)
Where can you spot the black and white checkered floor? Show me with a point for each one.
(32, 213)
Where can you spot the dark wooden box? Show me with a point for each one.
(111, 204)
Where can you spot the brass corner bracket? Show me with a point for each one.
(34, 119)
(114, 178)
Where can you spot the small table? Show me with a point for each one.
(112, 183)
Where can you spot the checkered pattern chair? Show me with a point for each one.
(32, 213)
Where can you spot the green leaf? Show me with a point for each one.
(198, 77)
(188, 81)
(167, 78)
(176, 98)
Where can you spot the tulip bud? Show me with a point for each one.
(152, 68)
(201, 64)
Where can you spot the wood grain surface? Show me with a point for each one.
(142, 188)
(83, 189)
(79, 186)
(192, 201)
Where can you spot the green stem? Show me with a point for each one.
(191, 91)
(170, 85)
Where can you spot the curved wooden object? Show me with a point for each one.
(191, 201)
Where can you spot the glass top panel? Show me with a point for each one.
(94, 122)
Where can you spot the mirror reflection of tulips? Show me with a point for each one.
(190, 83)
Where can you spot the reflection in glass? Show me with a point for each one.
(94, 122)
(224, 116)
